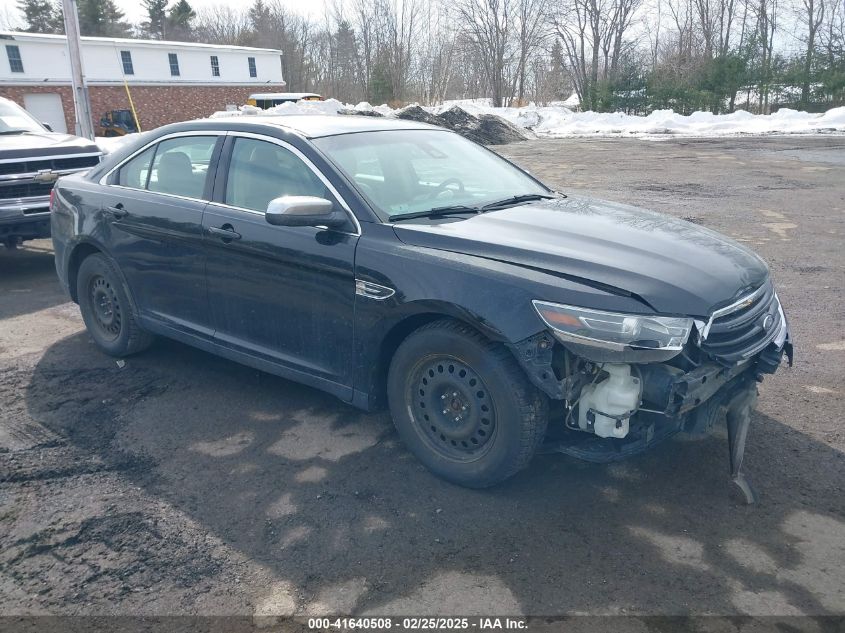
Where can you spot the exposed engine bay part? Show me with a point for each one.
(739, 419)
(673, 391)
(612, 411)
(605, 407)
(646, 430)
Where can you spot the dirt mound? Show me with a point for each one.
(488, 129)
(501, 130)
(416, 113)
(354, 112)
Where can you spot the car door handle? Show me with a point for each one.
(117, 211)
(225, 232)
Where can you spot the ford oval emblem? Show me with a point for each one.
(767, 322)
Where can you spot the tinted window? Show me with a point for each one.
(261, 171)
(180, 165)
(126, 59)
(135, 172)
(15, 61)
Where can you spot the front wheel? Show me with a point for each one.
(463, 406)
(105, 307)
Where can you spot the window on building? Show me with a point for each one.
(215, 66)
(15, 61)
(126, 59)
(253, 72)
(174, 64)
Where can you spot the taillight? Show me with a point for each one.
(52, 195)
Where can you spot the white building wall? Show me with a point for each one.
(45, 61)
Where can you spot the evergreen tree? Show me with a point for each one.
(557, 72)
(345, 61)
(102, 18)
(41, 16)
(180, 21)
(261, 24)
(155, 26)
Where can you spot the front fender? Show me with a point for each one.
(492, 296)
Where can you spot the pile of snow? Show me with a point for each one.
(556, 123)
(476, 120)
(559, 121)
(479, 120)
(109, 144)
(328, 107)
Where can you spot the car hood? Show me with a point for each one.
(672, 265)
(35, 144)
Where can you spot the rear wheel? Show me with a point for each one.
(105, 307)
(463, 406)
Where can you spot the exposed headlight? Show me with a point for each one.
(608, 336)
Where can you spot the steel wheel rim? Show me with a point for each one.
(451, 408)
(105, 307)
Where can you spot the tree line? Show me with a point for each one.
(615, 55)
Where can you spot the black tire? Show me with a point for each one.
(492, 418)
(106, 309)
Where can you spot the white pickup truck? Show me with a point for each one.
(32, 158)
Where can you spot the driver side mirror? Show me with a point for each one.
(304, 211)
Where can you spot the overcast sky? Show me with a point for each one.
(134, 10)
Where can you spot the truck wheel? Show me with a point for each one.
(105, 307)
(463, 406)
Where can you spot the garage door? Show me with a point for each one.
(47, 108)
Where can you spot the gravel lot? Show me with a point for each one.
(181, 483)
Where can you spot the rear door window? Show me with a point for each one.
(135, 173)
(177, 166)
(180, 166)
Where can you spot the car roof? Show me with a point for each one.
(318, 125)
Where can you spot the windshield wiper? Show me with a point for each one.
(527, 197)
(14, 131)
(436, 212)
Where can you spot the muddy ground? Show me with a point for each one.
(181, 483)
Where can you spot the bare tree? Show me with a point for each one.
(593, 34)
(222, 24)
(766, 14)
(532, 30)
(813, 16)
(488, 26)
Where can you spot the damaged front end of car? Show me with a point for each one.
(630, 381)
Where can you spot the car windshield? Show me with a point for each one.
(404, 172)
(16, 120)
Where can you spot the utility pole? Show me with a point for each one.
(81, 101)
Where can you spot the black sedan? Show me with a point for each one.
(390, 262)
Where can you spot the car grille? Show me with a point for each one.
(26, 190)
(745, 328)
(56, 164)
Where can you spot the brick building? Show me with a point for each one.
(168, 81)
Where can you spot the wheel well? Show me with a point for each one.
(76, 258)
(391, 343)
